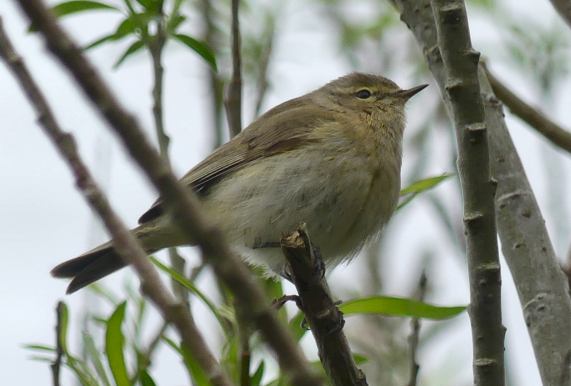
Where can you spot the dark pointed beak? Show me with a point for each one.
(407, 94)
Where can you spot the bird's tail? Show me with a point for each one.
(99, 262)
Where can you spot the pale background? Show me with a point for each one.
(44, 220)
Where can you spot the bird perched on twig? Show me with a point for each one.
(330, 158)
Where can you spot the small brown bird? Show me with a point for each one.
(330, 158)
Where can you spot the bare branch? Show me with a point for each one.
(321, 312)
(56, 365)
(414, 336)
(180, 201)
(234, 94)
(530, 115)
(210, 35)
(564, 9)
(463, 90)
(123, 241)
(542, 288)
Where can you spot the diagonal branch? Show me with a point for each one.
(321, 312)
(180, 201)
(463, 90)
(564, 9)
(123, 241)
(530, 115)
(541, 286)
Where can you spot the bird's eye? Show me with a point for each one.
(363, 94)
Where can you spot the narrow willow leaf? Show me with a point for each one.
(199, 47)
(133, 48)
(258, 374)
(394, 306)
(76, 6)
(146, 379)
(194, 369)
(420, 186)
(125, 28)
(180, 279)
(424, 184)
(360, 359)
(94, 356)
(39, 347)
(175, 22)
(114, 343)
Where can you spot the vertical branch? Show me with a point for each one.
(123, 241)
(156, 44)
(211, 35)
(526, 246)
(462, 86)
(56, 365)
(267, 46)
(415, 333)
(234, 94)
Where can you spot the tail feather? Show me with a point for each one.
(104, 260)
(89, 267)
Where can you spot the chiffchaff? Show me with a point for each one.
(330, 158)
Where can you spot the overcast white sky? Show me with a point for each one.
(44, 219)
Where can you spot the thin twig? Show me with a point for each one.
(156, 44)
(211, 36)
(234, 94)
(542, 288)
(532, 116)
(414, 336)
(178, 199)
(264, 63)
(123, 241)
(564, 9)
(56, 365)
(321, 312)
(463, 89)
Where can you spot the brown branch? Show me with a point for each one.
(462, 87)
(211, 35)
(264, 63)
(123, 241)
(321, 312)
(541, 286)
(414, 336)
(530, 115)
(56, 365)
(179, 201)
(233, 100)
(564, 9)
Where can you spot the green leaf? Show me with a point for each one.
(114, 343)
(94, 356)
(146, 379)
(40, 347)
(194, 369)
(394, 306)
(360, 359)
(77, 6)
(424, 184)
(175, 22)
(133, 48)
(180, 279)
(420, 186)
(258, 375)
(199, 47)
(126, 27)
